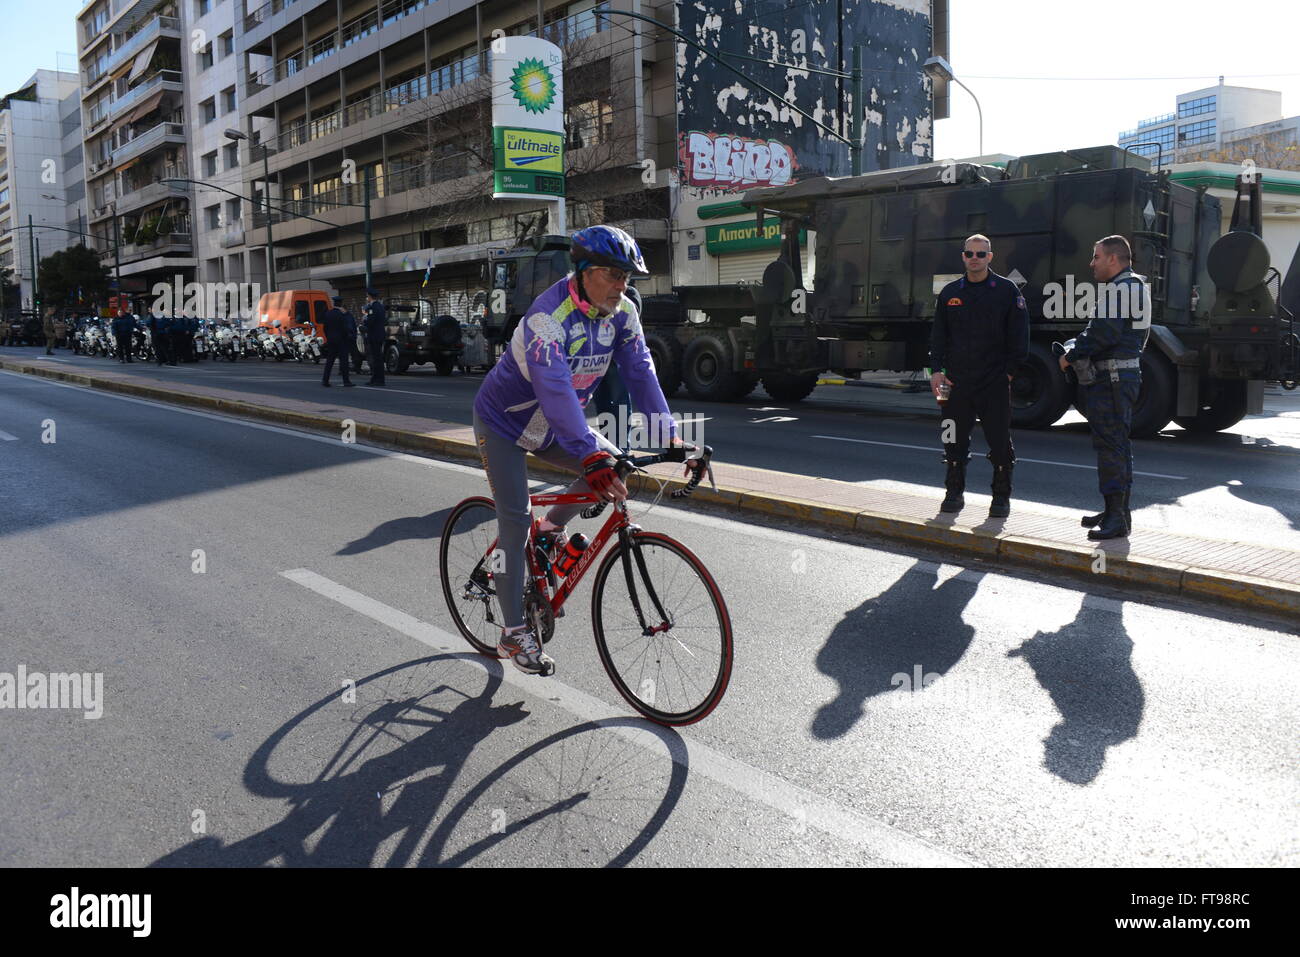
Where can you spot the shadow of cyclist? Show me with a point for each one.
(387, 779)
(911, 624)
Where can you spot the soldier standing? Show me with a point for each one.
(338, 340)
(50, 332)
(123, 330)
(160, 330)
(979, 337)
(376, 323)
(1113, 340)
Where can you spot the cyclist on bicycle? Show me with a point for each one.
(533, 400)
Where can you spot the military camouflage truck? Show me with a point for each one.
(884, 243)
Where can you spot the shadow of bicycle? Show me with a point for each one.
(379, 782)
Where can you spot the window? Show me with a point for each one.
(209, 110)
(228, 98)
(1192, 133)
(232, 155)
(226, 43)
(233, 211)
(1204, 104)
(213, 216)
(202, 7)
(210, 164)
(205, 58)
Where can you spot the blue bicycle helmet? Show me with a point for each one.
(606, 246)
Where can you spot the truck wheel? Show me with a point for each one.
(666, 352)
(1225, 408)
(392, 360)
(789, 386)
(707, 372)
(1040, 393)
(444, 365)
(748, 383)
(1157, 400)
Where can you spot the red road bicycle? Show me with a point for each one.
(661, 626)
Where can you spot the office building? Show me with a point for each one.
(40, 175)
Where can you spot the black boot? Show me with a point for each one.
(955, 483)
(1000, 507)
(1113, 523)
(1092, 521)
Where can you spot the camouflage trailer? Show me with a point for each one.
(884, 243)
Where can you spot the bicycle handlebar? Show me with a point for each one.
(699, 466)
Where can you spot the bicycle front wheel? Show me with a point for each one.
(662, 629)
(464, 565)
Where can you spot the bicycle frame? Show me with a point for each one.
(617, 523)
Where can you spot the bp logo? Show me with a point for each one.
(533, 85)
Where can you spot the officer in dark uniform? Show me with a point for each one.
(123, 330)
(375, 324)
(979, 337)
(338, 335)
(1113, 341)
(191, 327)
(177, 335)
(160, 327)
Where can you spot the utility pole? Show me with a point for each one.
(31, 247)
(366, 191)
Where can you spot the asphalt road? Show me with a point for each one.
(1239, 485)
(1047, 727)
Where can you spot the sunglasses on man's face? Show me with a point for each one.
(981, 253)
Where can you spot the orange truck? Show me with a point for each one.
(294, 307)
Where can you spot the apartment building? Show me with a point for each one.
(394, 93)
(132, 56)
(40, 175)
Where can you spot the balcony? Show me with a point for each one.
(265, 12)
(158, 27)
(162, 80)
(169, 243)
(152, 193)
(233, 234)
(162, 133)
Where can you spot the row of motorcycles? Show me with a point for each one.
(213, 339)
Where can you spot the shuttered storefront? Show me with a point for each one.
(746, 266)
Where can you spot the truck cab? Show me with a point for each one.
(515, 277)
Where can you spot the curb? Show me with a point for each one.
(1078, 561)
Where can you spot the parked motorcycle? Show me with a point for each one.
(226, 342)
(202, 346)
(279, 344)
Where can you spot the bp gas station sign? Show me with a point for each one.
(527, 119)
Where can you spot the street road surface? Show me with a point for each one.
(232, 581)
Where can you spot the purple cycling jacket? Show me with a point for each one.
(536, 393)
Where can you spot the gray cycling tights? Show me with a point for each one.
(507, 470)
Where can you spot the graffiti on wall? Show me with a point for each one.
(720, 161)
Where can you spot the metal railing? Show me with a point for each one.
(138, 93)
(147, 140)
(138, 39)
(265, 12)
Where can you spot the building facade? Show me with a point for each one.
(40, 175)
(338, 94)
(1204, 122)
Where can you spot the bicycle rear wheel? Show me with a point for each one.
(464, 566)
(678, 672)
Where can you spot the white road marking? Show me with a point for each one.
(53, 359)
(775, 792)
(939, 448)
(6, 437)
(384, 388)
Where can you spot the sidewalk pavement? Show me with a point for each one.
(1245, 575)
